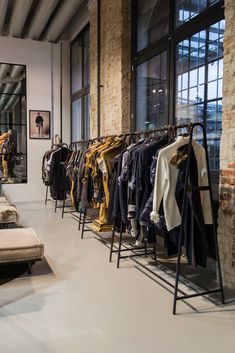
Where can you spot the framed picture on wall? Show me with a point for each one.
(39, 124)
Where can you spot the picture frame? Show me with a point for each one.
(40, 124)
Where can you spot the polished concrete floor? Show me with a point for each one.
(89, 306)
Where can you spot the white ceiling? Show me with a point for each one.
(44, 20)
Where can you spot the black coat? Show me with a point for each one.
(57, 174)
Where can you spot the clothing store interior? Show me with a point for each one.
(117, 176)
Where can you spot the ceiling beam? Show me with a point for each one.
(18, 17)
(3, 11)
(61, 20)
(41, 17)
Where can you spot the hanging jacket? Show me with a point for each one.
(166, 179)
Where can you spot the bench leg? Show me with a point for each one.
(30, 263)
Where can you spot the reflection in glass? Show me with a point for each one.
(152, 97)
(185, 10)
(87, 117)
(86, 58)
(80, 81)
(76, 120)
(76, 64)
(13, 138)
(214, 130)
(200, 79)
(153, 21)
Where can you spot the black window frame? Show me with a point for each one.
(85, 90)
(205, 19)
(25, 124)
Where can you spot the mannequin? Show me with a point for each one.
(3, 139)
(8, 157)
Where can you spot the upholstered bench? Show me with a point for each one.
(20, 245)
(8, 214)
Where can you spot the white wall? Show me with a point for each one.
(42, 62)
(66, 121)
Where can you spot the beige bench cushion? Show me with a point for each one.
(20, 244)
(8, 214)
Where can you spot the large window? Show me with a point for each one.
(199, 70)
(80, 86)
(178, 66)
(152, 92)
(153, 21)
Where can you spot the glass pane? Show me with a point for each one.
(12, 79)
(76, 120)
(86, 56)
(153, 21)
(87, 117)
(152, 98)
(199, 79)
(185, 10)
(212, 90)
(214, 130)
(216, 39)
(76, 73)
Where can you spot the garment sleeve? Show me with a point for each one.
(52, 168)
(161, 177)
(203, 181)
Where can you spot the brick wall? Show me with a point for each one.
(115, 66)
(226, 229)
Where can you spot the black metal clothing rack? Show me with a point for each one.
(199, 188)
(72, 146)
(47, 186)
(171, 130)
(59, 177)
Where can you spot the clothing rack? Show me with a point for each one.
(199, 188)
(72, 146)
(62, 164)
(120, 249)
(47, 187)
(172, 131)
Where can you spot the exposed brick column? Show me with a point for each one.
(226, 229)
(115, 66)
(92, 5)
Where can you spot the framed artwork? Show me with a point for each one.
(39, 124)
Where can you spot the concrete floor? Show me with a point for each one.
(89, 306)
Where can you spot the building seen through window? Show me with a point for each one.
(179, 81)
(80, 86)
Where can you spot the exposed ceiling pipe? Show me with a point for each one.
(16, 75)
(17, 90)
(3, 11)
(16, 71)
(44, 11)
(3, 100)
(18, 16)
(12, 100)
(66, 11)
(8, 88)
(3, 70)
